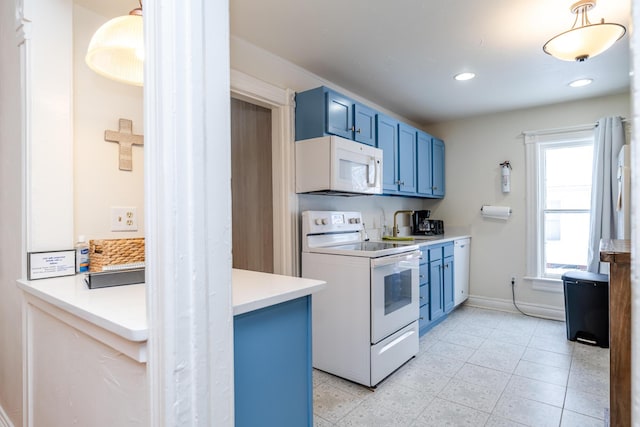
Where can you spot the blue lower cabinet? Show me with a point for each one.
(437, 288)
(436, 299)
(423, 321)
(272, 366)
(447, 284)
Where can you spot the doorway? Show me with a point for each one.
(251, 187)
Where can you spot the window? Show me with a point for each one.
(559, 166)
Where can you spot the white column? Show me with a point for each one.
(634, 34)
(188, 212)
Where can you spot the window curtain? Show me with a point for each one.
(609, 137)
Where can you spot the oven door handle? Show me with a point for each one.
(392, 259)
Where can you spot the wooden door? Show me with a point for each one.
(251, 187)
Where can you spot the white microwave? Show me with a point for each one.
(335, 165)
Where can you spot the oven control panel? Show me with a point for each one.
(315, 222)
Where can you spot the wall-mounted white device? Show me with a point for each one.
(506, 176)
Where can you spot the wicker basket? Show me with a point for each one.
(115, 252)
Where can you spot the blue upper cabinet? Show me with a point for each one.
(322, 111)
(339, 113)
(365, 124)
(406, 158)
(387, 141)
(413, 161)
(424, 164)
(430, 166)
(438, 168)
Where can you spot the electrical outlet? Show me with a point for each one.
(124, 219)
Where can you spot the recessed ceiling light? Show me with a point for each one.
(464, 76)
(581, 82)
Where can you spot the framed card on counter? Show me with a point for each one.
(43, 265)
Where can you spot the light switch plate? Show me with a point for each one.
(124, 219)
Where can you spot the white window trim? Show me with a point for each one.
(532, 141)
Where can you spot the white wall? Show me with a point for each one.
(99, 103)
(272, 69)
(377, 211)
(474, 149)
(11, 220)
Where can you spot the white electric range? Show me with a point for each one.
(365, 322)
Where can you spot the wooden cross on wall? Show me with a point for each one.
(125, 139)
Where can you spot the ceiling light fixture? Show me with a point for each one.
(585, 40)
(464, 76)
(116, 50)
(581, 82)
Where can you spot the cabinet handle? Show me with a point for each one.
(358, 131)
(421, 318)
(421, 298)
(422, 276)
(434, 188)
(401, 182)
(352, 128)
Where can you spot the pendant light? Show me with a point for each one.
(116, 50)
(584, 39)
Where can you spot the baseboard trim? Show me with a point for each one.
(537, 310)
(4, 419)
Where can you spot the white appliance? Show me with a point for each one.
(461, 252)
(623, 207)
(365, 322)
(334, 165)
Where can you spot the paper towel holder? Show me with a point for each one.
(481, 208)
(496, 212)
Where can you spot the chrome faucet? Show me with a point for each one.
(396, 229)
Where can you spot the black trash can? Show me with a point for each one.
(586, 305)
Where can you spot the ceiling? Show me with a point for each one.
(403, 54)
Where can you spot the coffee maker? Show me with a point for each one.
(421, 225)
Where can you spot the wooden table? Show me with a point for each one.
(618, 254)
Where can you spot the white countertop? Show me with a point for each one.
(118, 309)
(443, 238)
(123, 309)
(253, 290)
(430, 240)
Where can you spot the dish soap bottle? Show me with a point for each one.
(82, 255)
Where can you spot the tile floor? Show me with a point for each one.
(479, 368)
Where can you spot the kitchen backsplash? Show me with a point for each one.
(377, 211)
